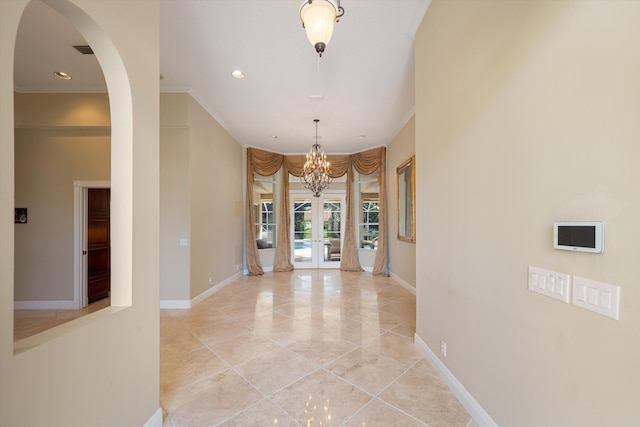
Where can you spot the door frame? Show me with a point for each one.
(80, 199)
(319, 261)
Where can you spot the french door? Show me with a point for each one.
(317, 229)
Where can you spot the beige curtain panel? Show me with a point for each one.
(266, 163)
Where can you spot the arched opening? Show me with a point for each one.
(63, 264)
(62, 137)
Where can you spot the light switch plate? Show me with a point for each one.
(599, 297)
(550, 283)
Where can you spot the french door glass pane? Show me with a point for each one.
(331, 229)
(302, 230)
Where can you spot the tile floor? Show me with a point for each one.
(307, 348)
(31, 322)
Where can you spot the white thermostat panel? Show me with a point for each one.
(579, 236)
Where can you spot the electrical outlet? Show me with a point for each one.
(443, 348)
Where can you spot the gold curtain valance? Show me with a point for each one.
(263, 163)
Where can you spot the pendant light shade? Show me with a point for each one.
(318, 17)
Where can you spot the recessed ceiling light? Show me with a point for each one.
(362, 136)
(237, 74)
(62, 75)
(274, 137)
(315, 97)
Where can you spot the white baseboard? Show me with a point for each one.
(206, 294)
(155, 420)
(203, 296)
(404, 283)
(43, 305)
(480, 416)
(175, 303)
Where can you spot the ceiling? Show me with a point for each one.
(361, 90)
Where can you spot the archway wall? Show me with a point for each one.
(102, 369)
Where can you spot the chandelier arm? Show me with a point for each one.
(300, 12)
(340, 12)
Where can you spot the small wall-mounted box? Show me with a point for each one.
(579, 236)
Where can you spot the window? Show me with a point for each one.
(368, 210)
(266, 196)
(369, 222)
(266, 225)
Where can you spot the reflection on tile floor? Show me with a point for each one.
(306, 348)
(31, 322)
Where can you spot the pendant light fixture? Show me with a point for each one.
(318, 17)
(316, 173)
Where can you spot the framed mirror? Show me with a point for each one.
(406, 190)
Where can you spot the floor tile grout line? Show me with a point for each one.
(269, 396)
(227, 364)
(374, 397)
(308, 374)
(377, 395)
(319, 368)
(350, 383)
(384, 402)
(395, 380)
(289, 292)
(265, 398)
(182, 387)
(389, 357)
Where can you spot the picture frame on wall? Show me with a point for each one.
(20, 216)
(406, 191)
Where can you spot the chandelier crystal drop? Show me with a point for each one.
(316, 171)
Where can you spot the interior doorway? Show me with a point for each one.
(317, 227)
(92, 242)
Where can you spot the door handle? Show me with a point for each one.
(84, 252)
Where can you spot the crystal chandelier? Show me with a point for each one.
(315, 173)
(318, 17)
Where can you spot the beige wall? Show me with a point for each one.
(40, 110)
(526, 114)
(216, 200)
(102, 369)
(402, 255)
(201, 199)
(53, 147)
(175, 198)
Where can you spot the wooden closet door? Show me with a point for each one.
(98, 244)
